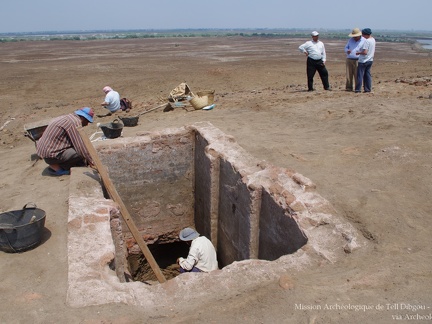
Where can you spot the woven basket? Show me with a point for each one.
(202, 99)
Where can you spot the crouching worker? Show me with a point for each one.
(202, 254)
(61, 146)
(111, 102)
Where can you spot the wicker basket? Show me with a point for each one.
(202, 99)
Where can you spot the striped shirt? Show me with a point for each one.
(61, 134)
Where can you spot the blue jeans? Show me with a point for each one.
(364, 76)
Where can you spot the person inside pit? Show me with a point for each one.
(202, 254)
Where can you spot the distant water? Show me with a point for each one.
(425, 43)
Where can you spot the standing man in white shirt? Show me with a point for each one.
(202, 254)
(316, 59)
(366, 56)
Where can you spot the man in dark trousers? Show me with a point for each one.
(316, 59)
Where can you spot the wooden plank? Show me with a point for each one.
(123, 210)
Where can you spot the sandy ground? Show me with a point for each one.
(369, 155)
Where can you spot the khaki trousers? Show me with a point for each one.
(351, 74)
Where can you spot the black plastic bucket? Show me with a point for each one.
(112, 130)
(130, 121)
(21, 230)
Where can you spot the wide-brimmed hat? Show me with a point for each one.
(355, 32)
(314, 33)
(366, 31)
(86, 112)
(188, 234)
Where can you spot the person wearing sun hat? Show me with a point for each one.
(316, 59)
(202, 254)
(61, 146)
(366, 55)
(352, 46)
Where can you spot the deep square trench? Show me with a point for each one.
(194, 176)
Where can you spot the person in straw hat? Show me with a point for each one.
(202, 254)
(352, 46)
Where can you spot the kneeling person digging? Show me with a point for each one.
(202, 254)
(61, 145)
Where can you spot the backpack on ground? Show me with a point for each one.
(125, 104)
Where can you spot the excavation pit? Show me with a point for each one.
(263, 220)
(165, 256)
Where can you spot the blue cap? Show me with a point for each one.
(86, 112)
(366, 31)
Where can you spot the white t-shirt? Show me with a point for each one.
(112, 98)
(368, 45)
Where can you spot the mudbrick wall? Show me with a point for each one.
(197, 176)
(233, 207)
(153, 174)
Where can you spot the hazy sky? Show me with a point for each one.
(60, 15)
